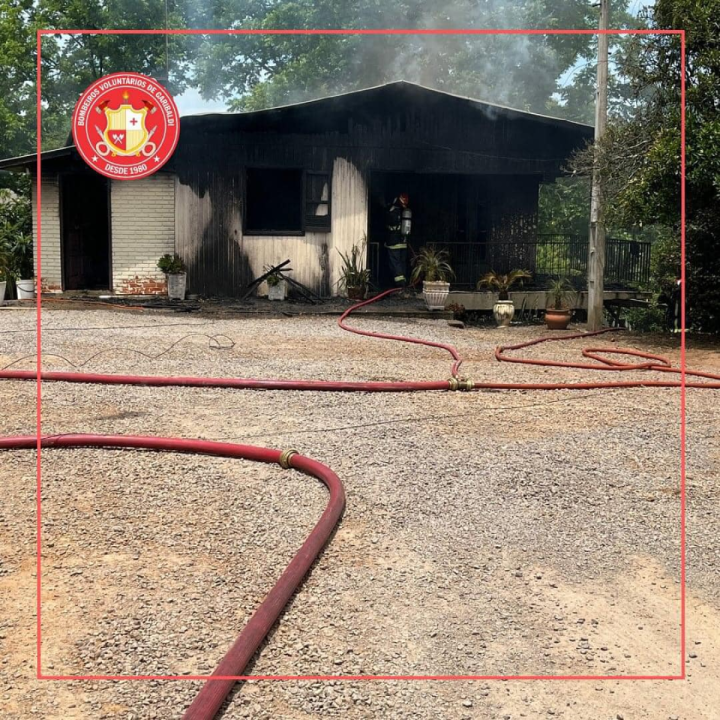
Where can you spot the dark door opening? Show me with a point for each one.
(447, 212)
(85, 233)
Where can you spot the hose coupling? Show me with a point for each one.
(460, 383)
(285, 457)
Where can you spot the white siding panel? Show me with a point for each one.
(50, 229)
(349, 212)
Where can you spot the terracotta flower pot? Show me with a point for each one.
(557, 319)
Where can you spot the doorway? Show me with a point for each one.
(85, 232)
(448, 212)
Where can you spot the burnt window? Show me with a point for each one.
(317, 202)
(273, 201)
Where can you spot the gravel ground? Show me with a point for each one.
(488, 533)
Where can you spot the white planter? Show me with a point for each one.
(277, 292)
(435, 294)
(26, 289)
(176, 286)
(3, 284)
(504, 311)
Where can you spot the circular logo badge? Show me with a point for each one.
(126, 126)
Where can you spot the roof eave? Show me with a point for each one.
(28, 160)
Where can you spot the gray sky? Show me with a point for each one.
(190, 102)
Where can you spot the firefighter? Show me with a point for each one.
(398, 229)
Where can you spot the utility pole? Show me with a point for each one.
(596, 249)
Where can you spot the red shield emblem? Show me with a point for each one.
(126, 126)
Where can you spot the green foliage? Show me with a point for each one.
(4, 262)
(171, 264)
(431, 265)
(16, 244)
(353, 273)
(253, 72)
(639, 160)
(665, 262)
(503, 283)
(559, 289)
(18, 20)
(564, 206)
(71, 63)
(21, 257)
(646, 320)
(274, 278)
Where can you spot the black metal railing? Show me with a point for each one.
(627, 262)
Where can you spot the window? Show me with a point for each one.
(317, 202)
(273, 201)
(286, 201)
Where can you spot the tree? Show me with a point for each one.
(17, 81)
(71, 62)
(640, 157)
(252, 72)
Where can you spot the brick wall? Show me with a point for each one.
(50, 217)
(143, 229)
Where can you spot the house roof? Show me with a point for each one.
(333, 111)
(25, 160)
(348, 99)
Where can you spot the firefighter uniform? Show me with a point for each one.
(396, 243)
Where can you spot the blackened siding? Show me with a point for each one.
(394, 129)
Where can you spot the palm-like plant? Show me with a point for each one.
(503, 283)
(431, 265)
(353, 273)
(559, 290)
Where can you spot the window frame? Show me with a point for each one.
(305, 226)
(325, 227)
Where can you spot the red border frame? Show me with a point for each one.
(682, 674)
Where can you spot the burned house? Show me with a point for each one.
(305, 181)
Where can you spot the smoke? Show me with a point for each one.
(515, 70)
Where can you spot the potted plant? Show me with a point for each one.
(504, 307)
(433, 267)
(174, 269)
(16, 243)
(277, 287)
(558, 315)
(21, 260)
(354, 277)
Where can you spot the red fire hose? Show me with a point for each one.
(214, 692)
(210, 698)
(654, 362)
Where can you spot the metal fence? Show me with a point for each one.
(627, 262)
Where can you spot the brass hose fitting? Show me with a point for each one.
(285, 457)
(455, 383)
